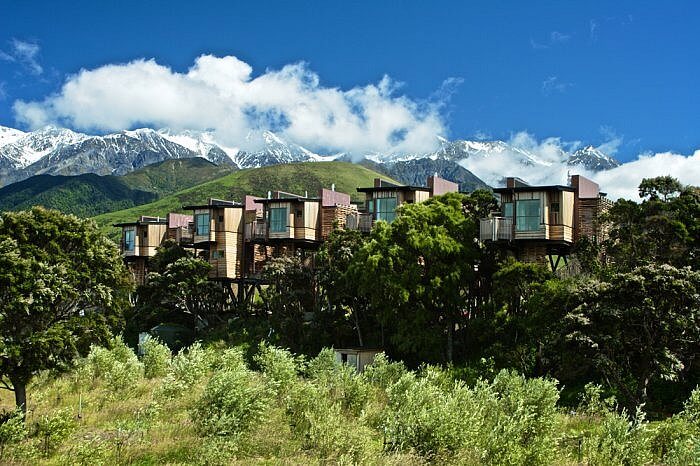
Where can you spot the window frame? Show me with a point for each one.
(129, 232)
(198, 223)
(529, 222)
(278, 225)
(383, 213)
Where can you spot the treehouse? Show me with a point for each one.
(290, 223)
(540, 223)
(382, 200)
(139, 241)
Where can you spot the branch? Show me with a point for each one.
(5, 386)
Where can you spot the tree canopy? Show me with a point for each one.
(63, 286)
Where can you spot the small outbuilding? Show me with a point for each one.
(357, 358)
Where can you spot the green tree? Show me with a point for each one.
(63, 286)
(663, 228)
(419, 273)
(639, 327)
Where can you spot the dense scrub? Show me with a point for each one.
(215, 405)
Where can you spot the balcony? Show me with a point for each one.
(256, 230)
(359, 221)
(496, 229)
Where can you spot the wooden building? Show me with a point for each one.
(294, 224)
(542, 223)
(139, 241)
(382, 200)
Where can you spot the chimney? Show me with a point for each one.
(333, 187)
(306, 194)
(377, 182)
(269, 194)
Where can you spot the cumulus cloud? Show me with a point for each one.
(550, 165)
(25, 53)
(220, 94)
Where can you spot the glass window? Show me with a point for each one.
(508, 209)
(386, 208)
(278, 219)
(218, 254)
(202, 224)
(370, 206)
(528, 215)
(129, 240)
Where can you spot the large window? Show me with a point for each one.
(129, 240)
(202, 224)
(278, 219)
(528, 215)
(386, 208)
(508, 209)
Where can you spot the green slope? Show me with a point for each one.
(171, 176)
(295, 178)
(88, 195)
(83, 195)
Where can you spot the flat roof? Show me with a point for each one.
(139, 222)
(520, 189)
(213, 206)
(393, 188)
(287, 199)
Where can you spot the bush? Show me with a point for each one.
(12, 429)
(231, 403)
(383, 373)
(340, 381)
(55, 429)
(280, 366)
(619, 439)
(691, 408)
(118, 366)
(188, 367)
(156, 358)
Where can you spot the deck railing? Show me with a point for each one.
(359, 221)
(496, 228)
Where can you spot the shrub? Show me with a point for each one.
(156, 358)
(691, 408)
(383, 373)
(54, 429)
(676, 441)
(279, 365)
(619, 439)
(340, 381)
(231, 403)
(12, 429)
(118, 366)
(188, 367)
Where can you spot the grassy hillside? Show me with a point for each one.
(295, 178)
(88, 195)
(222, 406)
(83, 195)
(171, 176)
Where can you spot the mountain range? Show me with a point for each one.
(59, 151)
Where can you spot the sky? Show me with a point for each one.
(362, 75)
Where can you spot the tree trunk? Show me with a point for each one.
(20, 389)
(357, 326)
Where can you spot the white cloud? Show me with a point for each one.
(220, 94)
(593, 30)
(557, 37)
(551, 167)
(612, 143)
(553, 84)
(24, 53)
(624, 180)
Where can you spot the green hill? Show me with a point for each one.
(295, 178)
(89, 194)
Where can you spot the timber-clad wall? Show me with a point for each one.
(336, 215)
(533, 254)
(225, 253)
(138, 270)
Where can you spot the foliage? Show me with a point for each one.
(279, 366)
(156, 358)
(639, 327)
(63, 286)
(232, 402)
(12, 429)
(188, 367)
(54, 429)
(118, 365)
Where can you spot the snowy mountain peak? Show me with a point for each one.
(9, 135)
(592, 158)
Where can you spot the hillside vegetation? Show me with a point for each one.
(236, 406)
(295, 178)
(89, 194)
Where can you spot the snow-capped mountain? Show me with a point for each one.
(592, 159)
(54, 150)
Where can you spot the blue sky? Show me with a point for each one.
(625, 72)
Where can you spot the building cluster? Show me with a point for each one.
(537, 223)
